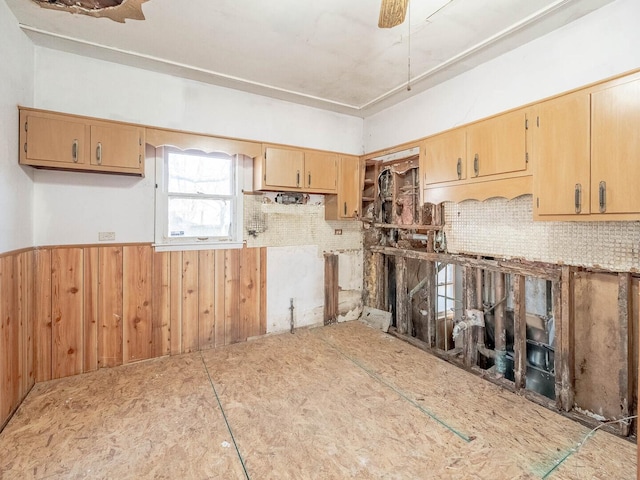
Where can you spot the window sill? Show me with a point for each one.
(174, 247)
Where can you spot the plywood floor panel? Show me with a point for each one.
(344, 401)
(155, 419)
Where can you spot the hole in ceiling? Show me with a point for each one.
(116, 10)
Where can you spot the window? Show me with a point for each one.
(198, 199)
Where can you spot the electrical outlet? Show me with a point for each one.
(337, 231)
(106, 236)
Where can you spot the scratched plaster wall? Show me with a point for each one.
(297, 236)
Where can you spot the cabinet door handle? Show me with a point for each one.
(309, 178)
(459, 168)
(602, 196)
(476, 165)
(99, 153)
(578, 197)
(345, 209)
(74, 151)
(297, 178)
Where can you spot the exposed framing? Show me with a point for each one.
(562, 281)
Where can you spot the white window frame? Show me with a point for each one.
(163, 242)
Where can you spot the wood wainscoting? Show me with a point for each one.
(74, 309)
(16, 330)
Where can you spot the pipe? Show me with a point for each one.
(417, 288)
(479, 275)
(291, 309)
(417, 236)
(500, 332)
(482, 293)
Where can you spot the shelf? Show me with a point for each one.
(369, 181)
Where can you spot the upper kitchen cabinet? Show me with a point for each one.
(68, 142)
(615, 148)
(321, 171)
(117, 147)
(288, 169)
(498, 145)
(489, 158)
(443, 157)
(586, 148)
(282, 168)
(52, 141)
(561, 156)
(346, 203)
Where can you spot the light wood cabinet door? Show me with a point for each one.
(117, 146)
(443, 157)
(349, 192)
(497, 145)
(615, 149)
(283, 167)
(320, 171)
(561, 156)
(345, 205)
(50, 141)
(63, 141)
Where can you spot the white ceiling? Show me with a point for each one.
(325, 53)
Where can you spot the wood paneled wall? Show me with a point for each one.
(16, 330)
(103, 306)
(70, 310)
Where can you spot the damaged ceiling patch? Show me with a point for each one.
(116, 10)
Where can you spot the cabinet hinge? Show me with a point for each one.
(537, 202)
(537, 121)
(526, 157)
(140, 141)
(25, 147)
(265, 177)
(139, 159)
(526, 124)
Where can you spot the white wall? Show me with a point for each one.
(86, 86)
(71, 208)
(596, 46)
(16, 185)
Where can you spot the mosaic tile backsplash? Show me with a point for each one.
(505, 229)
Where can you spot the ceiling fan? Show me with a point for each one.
(392, 13)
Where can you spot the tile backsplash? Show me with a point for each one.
(505, 229)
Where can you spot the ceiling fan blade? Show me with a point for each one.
(392, 13)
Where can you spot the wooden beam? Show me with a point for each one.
(564, 354)
(516, 267)
(430, 287)
(402, 297)
(330, 288)
(626, 347)
(469, 301)
(520, 332)
(377, 259)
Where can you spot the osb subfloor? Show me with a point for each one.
(336, 402)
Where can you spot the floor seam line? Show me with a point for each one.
(226, 420)
(382, 381)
